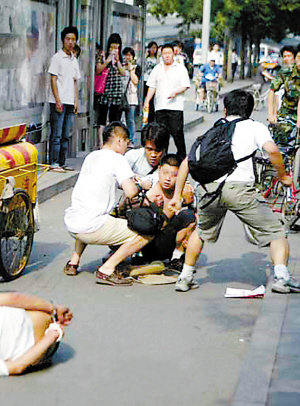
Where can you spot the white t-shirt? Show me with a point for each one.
(216, 56)
(165, 83)
(139, 164)
(66, 69)
(16, 335)
(248, 137)
(94, 195)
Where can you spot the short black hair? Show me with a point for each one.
(69, 30)
(167, 46)
(77, 49)
(112, 129)
(288, 48)
(128, 50)
(239, 103)
(170, 159)
(158, 134)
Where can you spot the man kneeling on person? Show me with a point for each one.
(93, 199)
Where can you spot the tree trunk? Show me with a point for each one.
(229, 67)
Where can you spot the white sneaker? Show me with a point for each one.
(184, 285)
(283, 286)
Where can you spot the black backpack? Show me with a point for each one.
(211, 157)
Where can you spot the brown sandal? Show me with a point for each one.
(70, 270)
(112, 280)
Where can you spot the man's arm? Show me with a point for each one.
(54, 89)
(76, 96)
(175, 203)
(276, 159)
(30, 302)
(130, 188)
(272, 107)
(33, 355)
(177, 92)
(150, 94)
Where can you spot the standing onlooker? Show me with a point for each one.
(64, 71)
(216, 55)
(234, 63)
(168, 81)
(110, 101)
(151, 60)
(133, 74)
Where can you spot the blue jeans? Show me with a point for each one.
(130, 122)
(61, 124)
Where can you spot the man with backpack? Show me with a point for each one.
(235, 192)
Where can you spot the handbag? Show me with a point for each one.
(124, 105)
(100, 81)
(146, 220)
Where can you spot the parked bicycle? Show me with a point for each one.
(282, 199)
(18, 198)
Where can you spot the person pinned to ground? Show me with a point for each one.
(31, 329)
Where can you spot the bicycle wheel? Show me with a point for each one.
(290, 212)
(210, 101)
(16, 234)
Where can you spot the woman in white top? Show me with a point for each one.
(30, 331)
(151, 60)
(133, 74)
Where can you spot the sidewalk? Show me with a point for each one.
(51, 184)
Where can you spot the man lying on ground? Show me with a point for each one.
(30, 331)
(93, 199)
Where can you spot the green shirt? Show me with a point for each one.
(290, 79)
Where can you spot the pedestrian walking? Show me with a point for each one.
(151, 60)
(64, 71)
(168, 82)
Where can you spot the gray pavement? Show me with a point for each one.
(270, 371)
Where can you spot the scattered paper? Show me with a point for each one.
(243, 293)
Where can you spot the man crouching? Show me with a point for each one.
(93, 199)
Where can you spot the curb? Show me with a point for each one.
(48, 192)
(257, 368)
(193, 123)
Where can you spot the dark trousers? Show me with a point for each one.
(173, 119)
(163, 245)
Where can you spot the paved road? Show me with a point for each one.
(141, 345)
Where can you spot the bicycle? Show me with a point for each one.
(282, 199)
(18, 181)
(212, 96)
(259, 99)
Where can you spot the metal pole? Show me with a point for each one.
(205, 29)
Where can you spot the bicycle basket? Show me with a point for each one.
(212, 86)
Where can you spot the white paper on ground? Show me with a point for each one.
(233, 292)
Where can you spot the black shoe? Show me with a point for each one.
(176, 264)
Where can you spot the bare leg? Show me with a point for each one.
(182, 237)
(79, 248)
(126, 250)
(194, 249)
(279, 251)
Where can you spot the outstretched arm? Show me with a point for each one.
(175, 203)
(276, 159)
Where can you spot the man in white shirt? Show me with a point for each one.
(93, 199)
(239, 196)
(217, 56)
(63, 99)
(168, 81)
(144, 161)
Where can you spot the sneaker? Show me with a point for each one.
(176, 264)
(283, 286)
(184, 285)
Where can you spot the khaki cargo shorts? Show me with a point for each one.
(241, 199)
